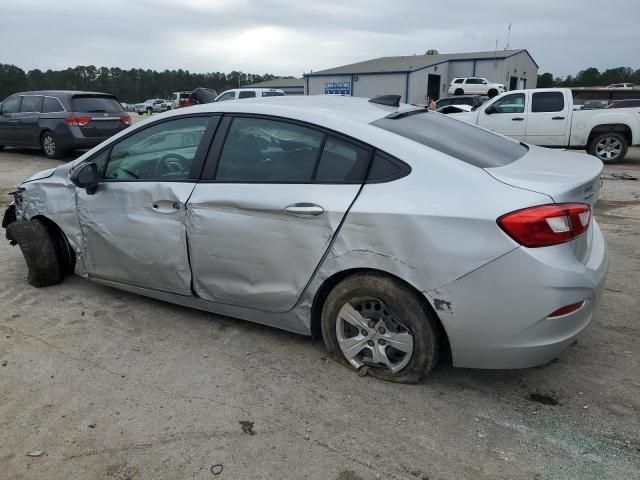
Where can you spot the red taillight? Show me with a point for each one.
(77, 121)
(566, 310)
(126, 119)
(547, 225)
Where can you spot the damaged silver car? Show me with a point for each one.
(398, 235)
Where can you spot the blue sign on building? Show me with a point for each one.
(337, 88)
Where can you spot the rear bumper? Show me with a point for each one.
(497, 316)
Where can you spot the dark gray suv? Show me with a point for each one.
(58, 121)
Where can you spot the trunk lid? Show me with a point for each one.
(563, 176)
(105, 113)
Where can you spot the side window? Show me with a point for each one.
(163, 151)
(51, 105)
(31, 103)
(509, 104)
(227, 96)
(547, 102)
(473, 81)
(12, 105)
(458, 80)
(342, 162)
(385, 168)
(261, 150)
(246, 94)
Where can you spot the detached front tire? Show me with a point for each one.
(374, 322)
(38, 249)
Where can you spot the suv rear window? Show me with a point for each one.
(95, 103)
(458, 139)
(272, 94)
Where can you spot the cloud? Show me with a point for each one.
(288, 37)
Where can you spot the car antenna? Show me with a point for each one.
(388, 100)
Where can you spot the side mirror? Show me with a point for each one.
(86, 176)
(490, 110)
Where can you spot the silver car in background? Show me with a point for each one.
(396, 234)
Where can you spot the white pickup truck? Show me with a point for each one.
(546, 117)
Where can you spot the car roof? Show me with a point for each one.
(62, 93)
(309, 108)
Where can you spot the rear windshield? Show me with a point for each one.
(95, 103)
(455, 138)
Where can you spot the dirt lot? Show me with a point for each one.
(109, 385)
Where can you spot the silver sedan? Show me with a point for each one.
(396, 234)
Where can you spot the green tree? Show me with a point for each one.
(546, 80)
(12, 80)
(431, 51)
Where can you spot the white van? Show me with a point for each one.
(240, 93)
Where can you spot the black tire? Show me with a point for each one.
(140, 113)
(600, 140)
(49, 145)
(492, 93)
(406, 305)
(458, 91)
(39, 252)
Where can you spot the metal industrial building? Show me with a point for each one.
(417, 76)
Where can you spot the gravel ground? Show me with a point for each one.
(102, 384)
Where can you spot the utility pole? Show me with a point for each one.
(508, 45)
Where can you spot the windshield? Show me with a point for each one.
(460, 140)
(93, 103)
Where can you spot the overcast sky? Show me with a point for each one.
(289, 37)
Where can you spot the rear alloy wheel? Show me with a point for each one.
(458, 91)
(375, 323)
(609, 147)
(49, 146)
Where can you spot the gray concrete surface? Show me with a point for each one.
(109, 385)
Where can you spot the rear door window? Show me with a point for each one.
(246, 94)
(95, 104)
(547, 102)
(268, 151)
(51, 105)
(31, 103)
(455, 138)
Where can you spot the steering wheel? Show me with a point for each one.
(171, 163)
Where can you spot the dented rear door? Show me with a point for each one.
(262, 223)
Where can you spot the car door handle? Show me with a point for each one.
(165, 206)
(304, 210)
(517, 119)
(557, 118)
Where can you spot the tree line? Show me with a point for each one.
(591, 77)
(129, 86)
